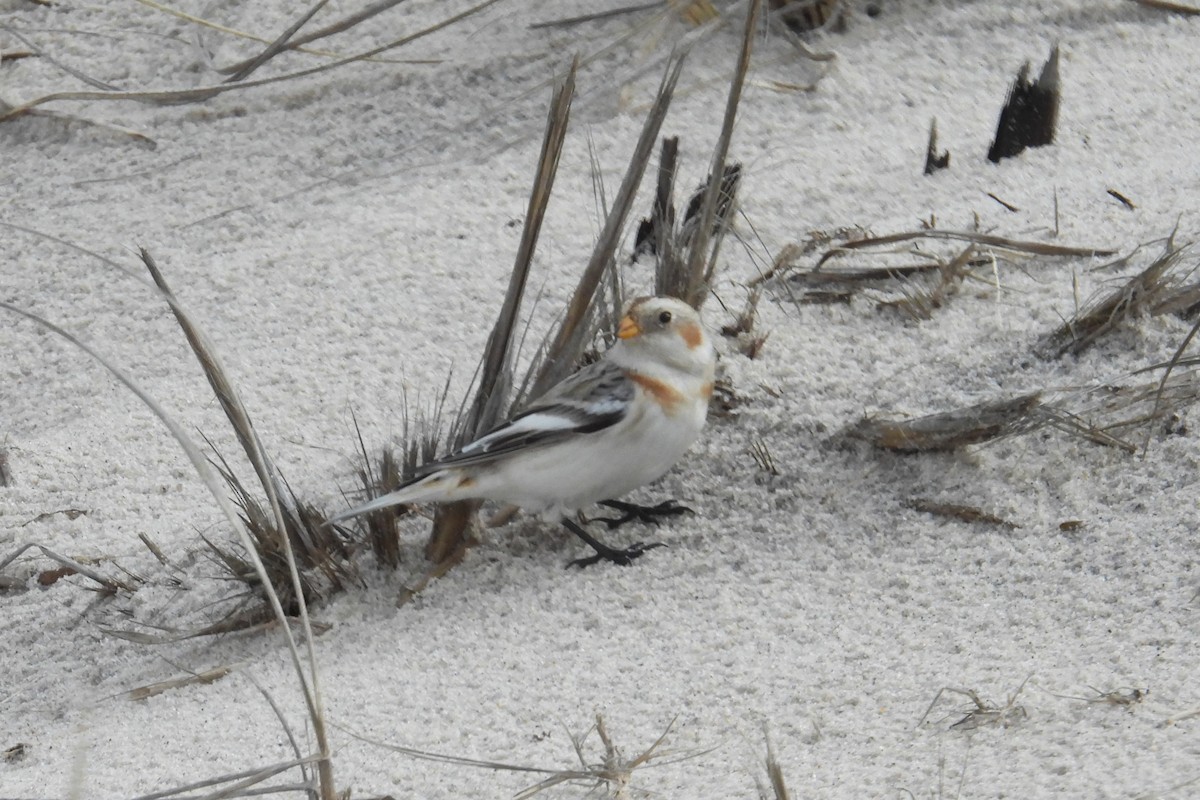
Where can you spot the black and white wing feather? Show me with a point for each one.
(594, 398)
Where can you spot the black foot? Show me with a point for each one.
(622, 557)
(631, 512)
(604, 552)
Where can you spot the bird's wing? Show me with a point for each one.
(594, 398)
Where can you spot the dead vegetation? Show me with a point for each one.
(900, 270)
(1123, 697)
(981, 713)
(775, 787)
(1108, 414)
(1166, 286)
(1030, 113)
(613, 772)
(958, 511)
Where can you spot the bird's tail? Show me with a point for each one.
(438, 486)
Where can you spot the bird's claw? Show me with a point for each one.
(648, 514)
(620, 557)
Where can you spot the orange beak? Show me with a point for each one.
(628, 328)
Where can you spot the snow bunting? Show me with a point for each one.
(611, 427)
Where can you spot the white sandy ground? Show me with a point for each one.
(813, 602)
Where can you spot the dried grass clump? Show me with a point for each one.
(324, 554)
(1165, 286)
(911, 279)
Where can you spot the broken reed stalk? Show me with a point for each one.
(951, 430)
(658, 231)
(568, 340)
(452, 521)
(700, 263)
(1030, 112)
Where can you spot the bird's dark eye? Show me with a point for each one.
(664, 317)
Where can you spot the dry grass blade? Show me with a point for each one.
(952, 430)
(155, 689)
(110, 585)
(920, 303)
(568, 341)
(615, 12)
(655, 233)
(74, 73)
(238, 781)
(226, 395)
(287, 729)
(206, 23)
(1162, 385)
(763, 457)
(278, 45)
(999, 242)
(1139, 294)
(612, 771)
(343, 24)
(168, 97)
(1165, 5)
(779, 790)
(272, 536)
(700, 261)
(957, 511)
(382, 530)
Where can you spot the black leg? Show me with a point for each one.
(632, 511)
(604, 552)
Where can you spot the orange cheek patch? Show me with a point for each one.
(706, 390)
(692, 335)
(466, 482)
(660, 392)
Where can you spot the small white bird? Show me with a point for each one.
(613, 426)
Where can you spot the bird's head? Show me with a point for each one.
(668, 330)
